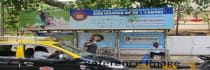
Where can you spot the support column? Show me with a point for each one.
(165, 45)
(177, 21)
(75, 39)
(118, 44)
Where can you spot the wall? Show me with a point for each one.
(188, 45)
(178, 45)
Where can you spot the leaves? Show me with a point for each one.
(14, 7)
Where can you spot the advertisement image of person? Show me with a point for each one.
(51, 21)
(92, 43)
(46, 15)
(40, 20)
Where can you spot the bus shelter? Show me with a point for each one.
(122, 29)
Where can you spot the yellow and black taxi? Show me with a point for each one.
(22, 54)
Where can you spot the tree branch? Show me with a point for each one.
(55, 3)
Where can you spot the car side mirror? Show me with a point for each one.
(61, 56)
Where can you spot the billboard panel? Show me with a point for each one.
(140, 39)
(109, 39)
(127, 39)
(141, 18)
(57, 19)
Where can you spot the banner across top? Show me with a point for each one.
(141, 18)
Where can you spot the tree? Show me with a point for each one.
(101, 4)
(14, 7)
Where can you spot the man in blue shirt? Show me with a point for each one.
(157, 50)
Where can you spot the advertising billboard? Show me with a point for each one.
(110, 39)
(56, 19)
(127, 39)
(140, 18)
(141, 39)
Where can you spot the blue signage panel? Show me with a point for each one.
(141, 18)
(127, 39)
(109, 39)
(140, 39)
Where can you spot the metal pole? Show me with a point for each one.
(177, 21)
(2, 19)
(165, 45)
(75, 39)
(208, 23)
(118, 44)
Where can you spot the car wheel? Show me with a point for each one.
(206, 67)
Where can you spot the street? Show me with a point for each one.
(161, 69)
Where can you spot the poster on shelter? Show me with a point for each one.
(140, 39)
(140, 18)
(110, 39)
(40, 20)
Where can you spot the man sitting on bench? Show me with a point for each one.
(157, 50)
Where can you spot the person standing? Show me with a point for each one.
(92, 43)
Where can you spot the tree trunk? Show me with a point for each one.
(2, 19)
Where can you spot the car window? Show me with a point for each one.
(75, 50)
(43, 52)
(7, 50)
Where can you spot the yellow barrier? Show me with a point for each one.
(192, 65)
(143, 66)
(169, 67)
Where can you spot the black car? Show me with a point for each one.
(22, 56)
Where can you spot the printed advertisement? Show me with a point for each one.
(140, 39)
(141, 18)
(57, 19)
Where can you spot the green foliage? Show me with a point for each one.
(14, 7)
(205, 17)
(103, 4)
(12, 11)
(93, 4)
(202, 4)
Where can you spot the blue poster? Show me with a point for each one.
(140, 39)
(141, 18)
(109, 39)
(127, 39)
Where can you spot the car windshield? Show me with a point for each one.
(75, 50)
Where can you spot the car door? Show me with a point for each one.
(32, 63)
(52, 64)
(8, 57)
